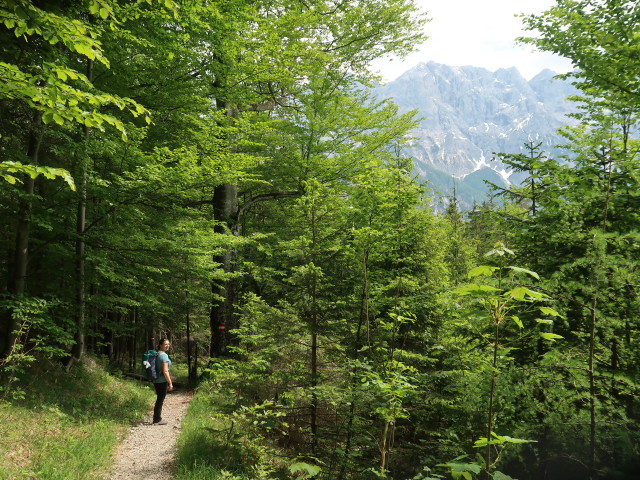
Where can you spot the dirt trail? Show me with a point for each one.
(149, 450)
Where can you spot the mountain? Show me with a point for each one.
(468, 113)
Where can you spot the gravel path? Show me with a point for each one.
(148, 451)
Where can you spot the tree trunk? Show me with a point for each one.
(79, 336)
(384, 448)
(133, 357)
(18, 279)
(386, 444)
(225, 208)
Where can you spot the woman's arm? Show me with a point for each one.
(165, 372)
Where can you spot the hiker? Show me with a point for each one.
(163, 383)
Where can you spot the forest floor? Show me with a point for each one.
(148, 451)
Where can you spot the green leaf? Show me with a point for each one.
(84, 49)
(21, 13)
(310, 470)
(544, 320)
(552, 337)
(477, 290)
(503, 352)
(501, 476)
(517, 321)
(550, 311)
(33, 172)
(482, 270)
(481, 442)
(461, 467)
(499, 250)
(9, 178)
(522, 293)
(47, 117)
(524, 270)
(499, 440)
(508, 439)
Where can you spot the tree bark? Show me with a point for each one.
(225, 208)
(18, 280)
(81, 219)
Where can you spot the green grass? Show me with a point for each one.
(213, 445)
(68, 424)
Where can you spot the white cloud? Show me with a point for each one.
(480, 33)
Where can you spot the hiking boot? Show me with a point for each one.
(161, 422)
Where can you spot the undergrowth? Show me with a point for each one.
(66, 425)
(219, 441)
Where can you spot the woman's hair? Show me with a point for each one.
(162, 340)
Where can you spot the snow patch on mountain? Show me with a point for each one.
(470, 113)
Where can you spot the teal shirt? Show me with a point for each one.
(162, 358)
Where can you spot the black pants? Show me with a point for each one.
(161, 392)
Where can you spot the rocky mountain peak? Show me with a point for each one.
(470, 112)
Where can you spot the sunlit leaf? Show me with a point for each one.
(544, 320)
(550, 311)
(500, 249)
(478, 290)
(508, 439)
(552, 337)
(522, 293)
(309, 470)
(9, 178)
(482, 270)
(524, 270)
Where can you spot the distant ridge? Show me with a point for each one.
(470, 112)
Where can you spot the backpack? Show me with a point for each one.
(149, 365)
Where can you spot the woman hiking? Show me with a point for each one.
(163, 383)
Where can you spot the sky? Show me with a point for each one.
(480, 33)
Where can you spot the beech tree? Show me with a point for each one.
(84, 75)
(600, 37)
(105, 153)
(282, 48)
(42, 85)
